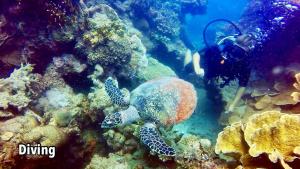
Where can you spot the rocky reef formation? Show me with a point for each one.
(269, 140)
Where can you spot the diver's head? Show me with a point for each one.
(246, 41)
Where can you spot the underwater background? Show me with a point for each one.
(150, 84)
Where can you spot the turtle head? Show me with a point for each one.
(121, 118)
(112, 120)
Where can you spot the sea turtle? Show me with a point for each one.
(161, 102)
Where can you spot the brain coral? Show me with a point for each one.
(272, 133)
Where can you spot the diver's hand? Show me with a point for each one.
(200, 72)
(230, 109)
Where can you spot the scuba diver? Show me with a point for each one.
(228, 59)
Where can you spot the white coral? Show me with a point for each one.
(14, 89)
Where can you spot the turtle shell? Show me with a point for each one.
(166, 100)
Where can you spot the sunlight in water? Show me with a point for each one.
(225, 9)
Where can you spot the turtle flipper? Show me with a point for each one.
(112, 120)
(115, 93)
(149, 136)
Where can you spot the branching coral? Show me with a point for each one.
(15, 90)
(272, 133)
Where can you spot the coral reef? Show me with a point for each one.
(11, 132)
(108, 42)
(26, 31)
(165, 19)
(194, 152)
(61, 105)
(15, 90)
(46, 136)
(112, 162)
(75, 45)
(59, 67)
(270, 133)
(160, 22)
(264, 96)
(279, 18)
(123, 140)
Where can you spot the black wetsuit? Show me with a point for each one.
(236, 66)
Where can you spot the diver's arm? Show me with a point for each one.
(196, 63)
(240, 92)
(187, 57)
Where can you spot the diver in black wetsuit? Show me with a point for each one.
(229, 59)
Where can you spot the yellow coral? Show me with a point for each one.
(277, 136)
(273, 133)
(231, 141)
(257, 121)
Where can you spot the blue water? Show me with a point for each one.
(225, 9)
(203, 121)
